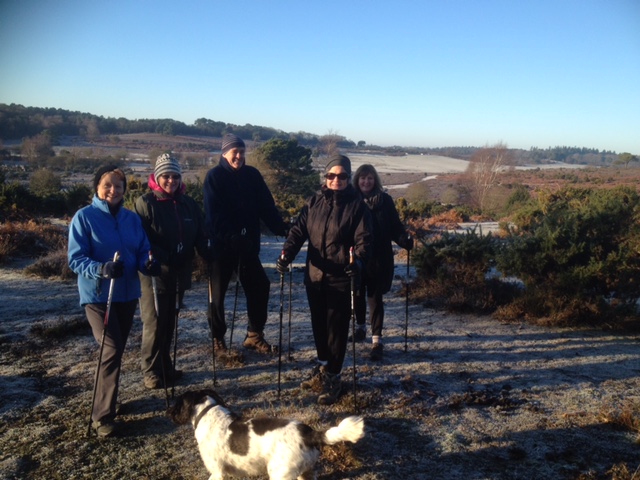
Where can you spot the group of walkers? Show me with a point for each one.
(122, 257)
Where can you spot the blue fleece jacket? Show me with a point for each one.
(94, 237)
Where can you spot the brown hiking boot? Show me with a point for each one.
(104, 428)
(316, 381)
(255, 341)
(331, 389)
(220, 347)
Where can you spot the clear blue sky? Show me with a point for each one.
(412, 73)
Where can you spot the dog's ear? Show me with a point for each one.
(181, 411)
(213, 394)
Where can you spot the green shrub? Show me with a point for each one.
(16, 201)
(452, 271)
(77, 197)
(578, 253)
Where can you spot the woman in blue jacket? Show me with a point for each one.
(96, 233)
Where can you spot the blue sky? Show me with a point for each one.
(411, 73)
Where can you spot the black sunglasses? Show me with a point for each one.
(332, 176)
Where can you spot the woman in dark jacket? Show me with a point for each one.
(378, 274)
(174, 224)
(334, 221)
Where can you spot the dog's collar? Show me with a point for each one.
(202, 414)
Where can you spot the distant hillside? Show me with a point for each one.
(18, 122)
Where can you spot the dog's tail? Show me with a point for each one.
(351, 429)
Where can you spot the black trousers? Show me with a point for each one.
(115, 339)
(330, 316)
(370, 296)
(255, 284)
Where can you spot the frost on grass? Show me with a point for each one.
(470, 398)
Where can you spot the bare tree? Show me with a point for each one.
(329, 143)
(37, 150)
(625, 159)
(484, 168)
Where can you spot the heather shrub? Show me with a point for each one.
(30, 239)
(54, 264)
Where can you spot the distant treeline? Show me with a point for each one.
(19, 122)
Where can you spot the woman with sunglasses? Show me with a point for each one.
(378, 275)
(334, 221)
(175, 226)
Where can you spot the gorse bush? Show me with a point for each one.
(578, 253)
(575, 252)
(452, 271)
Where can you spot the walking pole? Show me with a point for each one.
(116, 256)
(154, 285)
(289, 356)
(235, 301)
(235, 306)
(406, 302)
(213, 340)
(280, 329)
(353, 329)
(175, 337)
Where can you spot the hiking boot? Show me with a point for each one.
(255, 341)
(220, 347)
(331, 389)
(376, 352)
(152, 382)
(316, 380)
(361, 334)
(104, 428)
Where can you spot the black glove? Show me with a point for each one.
(113, 269)
(282, 264)
(354, 269)
(406, 242)
(152, 268)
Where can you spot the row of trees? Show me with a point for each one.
(17, 122)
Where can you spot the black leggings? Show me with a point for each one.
(369, 295)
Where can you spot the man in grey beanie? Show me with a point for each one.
(236, 200)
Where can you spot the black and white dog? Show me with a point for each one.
(283, 449)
